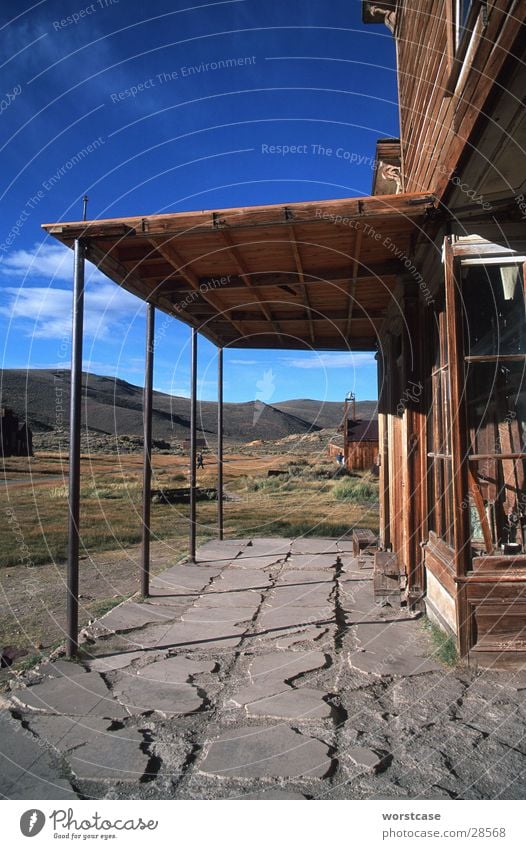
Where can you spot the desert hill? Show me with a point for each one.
(113, 406)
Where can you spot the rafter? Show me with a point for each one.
(135, 284)
(167, 250)
(245, 274)
(338, 276)
(352, 286)
(317, 316)
(301, 276)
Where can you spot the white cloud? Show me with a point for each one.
(348, 360)
(44, 310)
(53, 261)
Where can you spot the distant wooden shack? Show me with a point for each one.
(16, 437)
(358, 444)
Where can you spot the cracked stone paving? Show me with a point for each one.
(265, 671)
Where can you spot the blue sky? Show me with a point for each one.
(114, 99)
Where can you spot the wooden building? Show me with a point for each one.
(16, 438)
(430, 276)
(360, 444)
(357, 447)
(452, 351)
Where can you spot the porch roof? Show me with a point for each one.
(315, 274)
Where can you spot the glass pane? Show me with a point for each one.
(496, 403)
(494, 310)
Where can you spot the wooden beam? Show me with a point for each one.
(246, 275)
(181, 266)
(268, 341)
(338, 213)
(301, 276)
(313, 277)
(137, 286)
(316, 316)
(352, 286)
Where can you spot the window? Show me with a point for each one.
(495, 382)
(439, 473)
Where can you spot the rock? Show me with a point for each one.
(310, 595)
(274, 752)
(224, 600)
(176, 669)
(112, 662)
(10, 654)
(201, 636)
(302, 704)
(187, 578)
(283, 666)
(258, 562)
(281, 618)
(205, 616)
(92, 750)
(392, 648)
(321, 636)
(130, 615)
(81, 695)
(27, 770)
(306, 562)
(314, 545)
(140, 695)
(367, 759)
(237, 578)
(306, 578)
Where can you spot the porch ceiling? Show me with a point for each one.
(305, 275)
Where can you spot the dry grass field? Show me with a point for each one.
(307, 500)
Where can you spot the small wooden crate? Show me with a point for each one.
(362, 539)
(386, 578)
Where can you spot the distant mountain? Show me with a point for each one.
(112, 406)
(325, 414)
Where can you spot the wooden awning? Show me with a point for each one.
(305, 275)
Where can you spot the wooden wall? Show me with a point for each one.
(402, 419)
(361, 456)
(441, 99)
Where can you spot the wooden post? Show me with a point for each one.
(193, 446)
(458, 441)
(72, 638)
(413, 391)
(147, 449)
(220, 528)
(383, 445)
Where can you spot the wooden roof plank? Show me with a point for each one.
(306, 289)
(352, 287)
(301, 276)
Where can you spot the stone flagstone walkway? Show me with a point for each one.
(265, 671)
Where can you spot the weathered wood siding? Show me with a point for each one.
(439, 103)
(361, 456)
